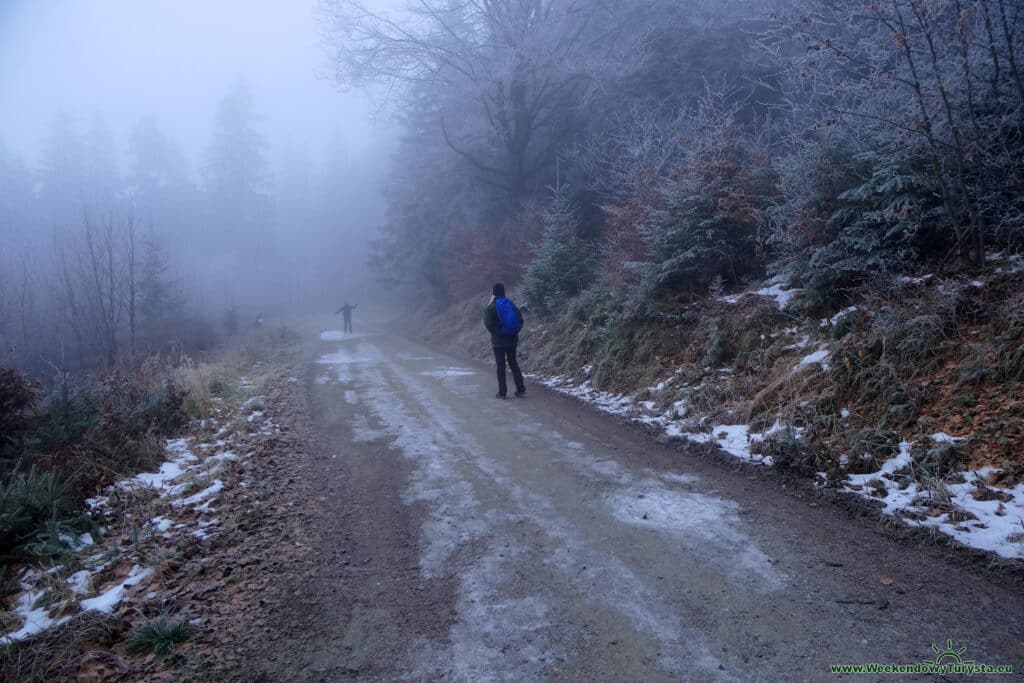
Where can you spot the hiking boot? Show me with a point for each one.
(520, 393)
(501, 396)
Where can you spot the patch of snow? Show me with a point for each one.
(81, 582)
(942, 437)
(819, 357)
(204, 508)
(782, 297)
(36, 620)
(997, 527)
(213, 489)
(663, 384)
(1014, 262)
(447, 373)
(678, 478)
(700, 521)
(834, 320)
(97, 502)
(169, 471)
(106, 601)
(180, 452)
(733, 439)
(344, 359)
(413, 357)
(804, 342)
(76, 544)
(219, 458)
(363, 433)
(360, 355)
(844, 413)
(616, 404)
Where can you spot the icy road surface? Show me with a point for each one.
(471, 539)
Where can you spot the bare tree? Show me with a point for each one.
(25, 301)
(502, 77)
(4, 308)
(131, 267)
(103, 282)
(67, 296)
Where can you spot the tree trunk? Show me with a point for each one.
(519, 142)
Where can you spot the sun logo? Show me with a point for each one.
(948, 656)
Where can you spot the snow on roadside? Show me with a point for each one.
(616, 404)
(183, 487)
(36, 620)
(107, 600)
(735, 440)
(994, 523)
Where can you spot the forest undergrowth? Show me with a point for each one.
(115, 510)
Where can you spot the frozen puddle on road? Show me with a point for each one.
(338, 335)
(344, 359)
(514, 601)
(448, 373)
(698, 523)
(412, 357)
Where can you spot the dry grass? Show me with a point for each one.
(911, 360)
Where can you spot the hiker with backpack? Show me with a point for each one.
(504, 321)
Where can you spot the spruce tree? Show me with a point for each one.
(563, 265)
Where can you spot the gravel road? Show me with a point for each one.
(465, 538)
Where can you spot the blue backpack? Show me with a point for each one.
(508, 317)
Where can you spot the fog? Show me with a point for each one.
(123, 114)
(170, 170)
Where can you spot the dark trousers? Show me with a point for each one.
(509, 354)
(348, 323)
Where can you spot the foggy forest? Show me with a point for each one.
(789, 231)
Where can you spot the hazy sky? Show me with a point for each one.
(173, 58)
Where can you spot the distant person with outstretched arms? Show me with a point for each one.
(504, 321)
(346, 313)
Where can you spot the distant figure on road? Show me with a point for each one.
(259, 321)
(346, 313)
(504, 321)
